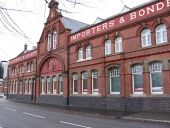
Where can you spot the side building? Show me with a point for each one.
(22, 76)
(120, 63)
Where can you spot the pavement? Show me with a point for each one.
(157, 117)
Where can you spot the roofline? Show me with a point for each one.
(23, 54)
(117, 15)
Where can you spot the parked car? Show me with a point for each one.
(1, 95)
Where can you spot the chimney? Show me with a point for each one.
(25, 47)
(53, 4)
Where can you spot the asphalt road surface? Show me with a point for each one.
(17, 115)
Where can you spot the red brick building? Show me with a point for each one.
(121, 63)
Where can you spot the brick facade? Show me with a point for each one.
(76, 69)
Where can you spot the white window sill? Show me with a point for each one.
(75, 93)
(156, 93)
(159, 43)
(90, 58)
(81, 60)
(138, 95)
(115, 93)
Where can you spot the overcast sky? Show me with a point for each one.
(11, 44)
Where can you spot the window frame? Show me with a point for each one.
(162, 30)
(80, 54)
(84, 77)
(146, 40)
(54, 80)
(61, 84)
(42, 85)
(48, 83)
(29, 86)
(55, 45)
(137, 70)
(152, 68)
(95, 75)
(108, 47)
(88, 52)
(49, 41)
(118, 44)
(75, 78)
(114, 73)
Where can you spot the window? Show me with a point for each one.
(11, 86)
(54, 39)
(13, 83)
(95, 82)
(137, 79)
(28, 67)
(88, 53)
(16, 87)
(54, 84)
(49, 42)
(118, 44)
(20, 69)
(42, 86)
(29, 86)
(161, 34)
(31, 66)
(60, 84)
(156, 79)
(84, 82)
(20, 83)
(108, 47)
(80, 54)
(114, 75)
(146, 38)
(25, 87)
(75, 84)
(48, 85)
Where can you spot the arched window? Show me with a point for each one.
(60, 84)
(137, 79)
(88, 53)
(25, 86)
(114, 76)
(55, 39)
(16, 86)
(156, 79)
(20, 85)
(54, 84)
(146, 38)
(108, 47)
(42, 86)
(95, 82)
(84, 82)
(80, 54)
(49, 41)
(161, 34)
(75, 84)
(48, 85)
(29, 86)
(118, 44)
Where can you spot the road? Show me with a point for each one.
(17, 115)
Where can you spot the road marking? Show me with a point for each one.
(10, 109)
(34, 115)
(74, 124)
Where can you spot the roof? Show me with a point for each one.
(73, 25)
(125, 10)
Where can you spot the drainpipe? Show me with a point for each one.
(68, 75)
(7, 83)
(124, 83)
